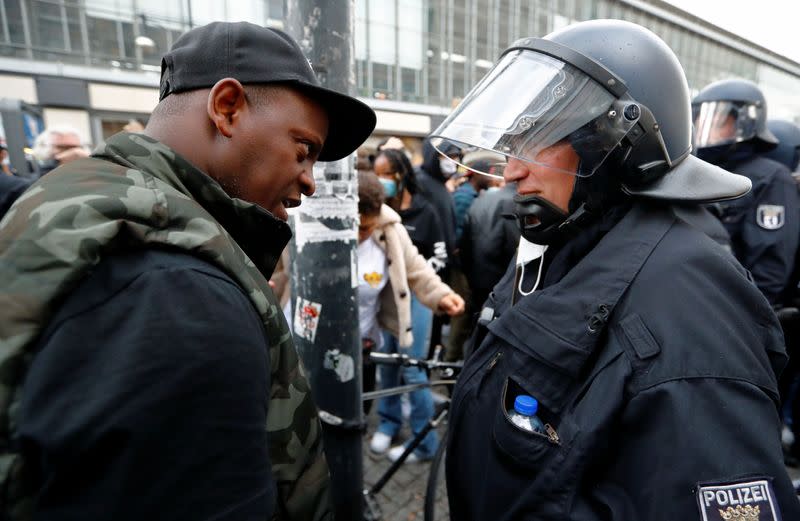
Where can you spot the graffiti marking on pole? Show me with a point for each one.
(342, 364)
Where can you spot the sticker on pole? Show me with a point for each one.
(342, 364)
(306, 319)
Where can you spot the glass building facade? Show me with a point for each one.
(425, 52)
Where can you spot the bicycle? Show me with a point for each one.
(372, 510)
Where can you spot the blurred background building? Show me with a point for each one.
(94, 64)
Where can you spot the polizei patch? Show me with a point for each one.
(742, 501)
(770, 216)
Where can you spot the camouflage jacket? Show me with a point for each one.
(137, 193)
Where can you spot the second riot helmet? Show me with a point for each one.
(731, 111)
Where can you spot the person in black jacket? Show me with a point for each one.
(764, 226)
(11, 187)
(787, 152)
(147, 372)
(431, 178)
(489, 242)
(419, 218)
(626, 365)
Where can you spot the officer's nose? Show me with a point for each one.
(515, 170)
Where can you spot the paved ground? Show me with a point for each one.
(403, 497)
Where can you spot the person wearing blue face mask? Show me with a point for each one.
(420, 219)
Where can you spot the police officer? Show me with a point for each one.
(787, 152)
(651, 354)
(730, 131)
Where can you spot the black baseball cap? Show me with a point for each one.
(254, 54)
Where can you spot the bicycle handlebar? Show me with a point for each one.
(405, 360)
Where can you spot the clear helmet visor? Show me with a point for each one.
(531, 107)
(723, 123)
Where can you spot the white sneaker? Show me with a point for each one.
(380, 443)
(395, 453)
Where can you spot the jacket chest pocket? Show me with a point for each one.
(525, 470)
(486, 394)
(522, 374)
(529, 448)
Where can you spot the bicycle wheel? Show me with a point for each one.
(436, 490)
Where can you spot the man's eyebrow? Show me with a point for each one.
(309, 135)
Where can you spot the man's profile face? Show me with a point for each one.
(723, 129)
(269, 160)
(549, 182)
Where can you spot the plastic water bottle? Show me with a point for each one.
(524, 414)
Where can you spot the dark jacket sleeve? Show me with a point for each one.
(148, 400)
(465, 247)
(769, 254)
(11, 187)
(434, 246)
(693, 433)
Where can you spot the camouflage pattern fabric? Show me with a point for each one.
(137, 193)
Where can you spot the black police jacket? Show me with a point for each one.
(654, 359)
(764, 225)
(11, 187)
(489, 240)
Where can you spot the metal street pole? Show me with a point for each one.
(323, 266)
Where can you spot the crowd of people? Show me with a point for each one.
(603, 246)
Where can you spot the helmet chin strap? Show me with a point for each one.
(542, 222)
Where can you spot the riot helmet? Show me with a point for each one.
(729, 112)
(787, 152)
(615, 93)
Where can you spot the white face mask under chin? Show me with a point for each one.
(527, 252)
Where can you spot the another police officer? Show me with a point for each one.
(787, 152)
(652, 355)
(730, 119)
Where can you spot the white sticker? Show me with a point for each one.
(343, 365)
(306, 319)
(315, 231)
(353, 268)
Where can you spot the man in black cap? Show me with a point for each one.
(160, 378)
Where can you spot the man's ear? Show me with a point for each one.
(226, 103)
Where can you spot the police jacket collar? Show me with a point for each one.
(562, 323)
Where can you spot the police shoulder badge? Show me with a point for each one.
(770, 216)
(752, 499)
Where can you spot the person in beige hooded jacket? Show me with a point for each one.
(390, 269)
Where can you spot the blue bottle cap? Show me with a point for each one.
(526, 405)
